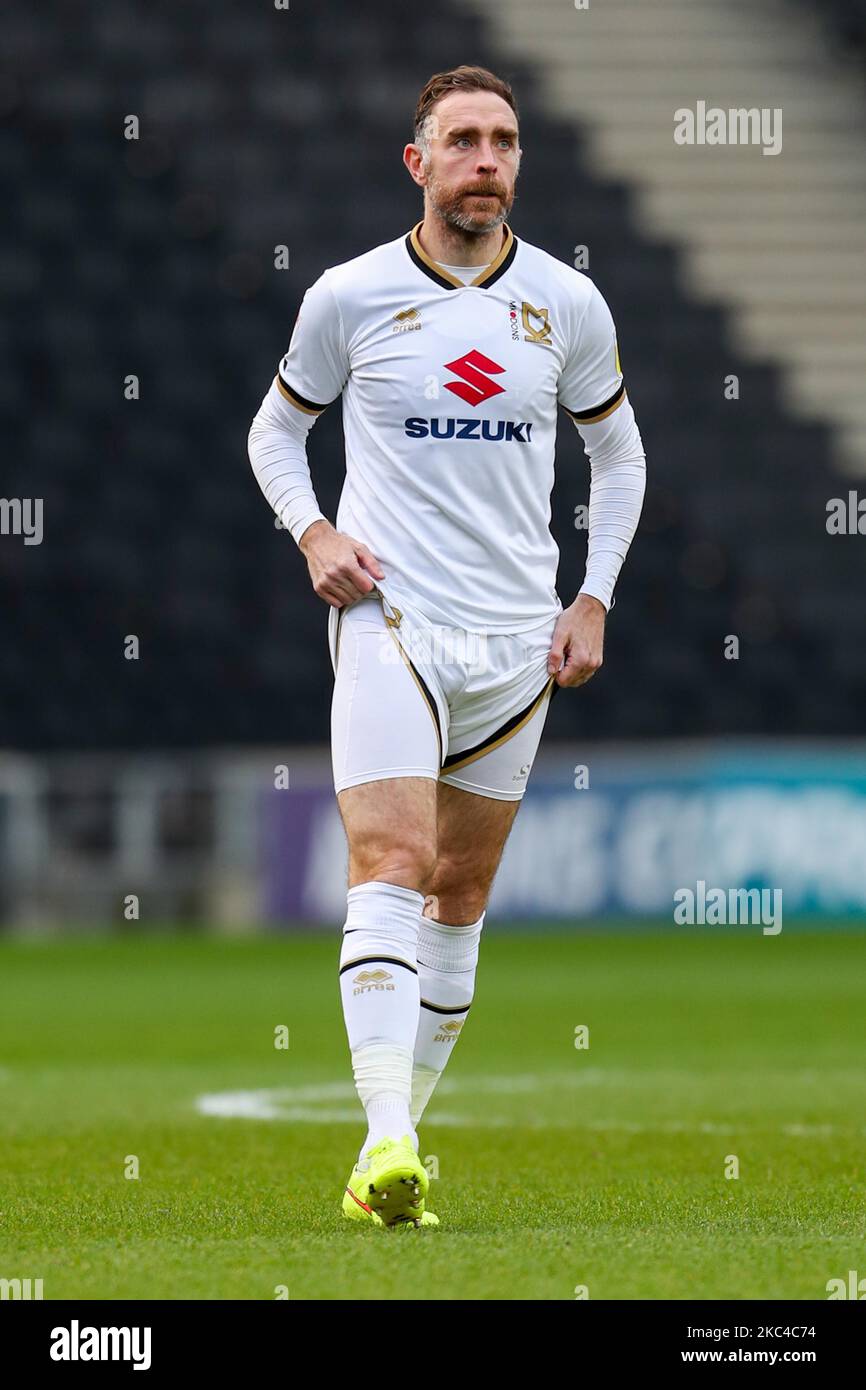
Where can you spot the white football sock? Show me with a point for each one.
(447, 959)
(380, 992)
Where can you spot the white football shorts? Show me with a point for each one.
(413, 699)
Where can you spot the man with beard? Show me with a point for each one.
(452, 347)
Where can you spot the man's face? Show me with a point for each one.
(473, 161)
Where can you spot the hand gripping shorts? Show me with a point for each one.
(413, 699)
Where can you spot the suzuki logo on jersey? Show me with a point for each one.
(493, 431)
(475, 386)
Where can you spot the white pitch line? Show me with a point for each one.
(314, 1104)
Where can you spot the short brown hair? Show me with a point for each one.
(462, 79)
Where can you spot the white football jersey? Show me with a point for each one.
(450, 395)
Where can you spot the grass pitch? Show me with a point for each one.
(558, 1167)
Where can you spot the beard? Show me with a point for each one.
(454, 205)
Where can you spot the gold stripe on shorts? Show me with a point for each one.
(418, 679)
(506, 731)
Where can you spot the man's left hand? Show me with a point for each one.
(578, 638)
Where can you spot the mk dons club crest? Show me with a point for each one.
(536, 323)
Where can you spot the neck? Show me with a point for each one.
(451, 246)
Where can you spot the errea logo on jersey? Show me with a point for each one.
(407, 321)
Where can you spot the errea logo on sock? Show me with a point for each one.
(369, 980)
(448, 1032)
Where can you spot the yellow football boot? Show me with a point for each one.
(392, 1190)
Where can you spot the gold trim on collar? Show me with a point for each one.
(483, 275)
(497, 261)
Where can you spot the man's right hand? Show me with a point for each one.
(340, 567)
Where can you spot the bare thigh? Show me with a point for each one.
(470, 838)
(391, 828)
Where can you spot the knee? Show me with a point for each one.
(409, 861)
(458, 891)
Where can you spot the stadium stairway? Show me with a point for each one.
(777, 238)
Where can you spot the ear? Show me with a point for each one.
(413, 158)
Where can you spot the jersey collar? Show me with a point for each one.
(437, 273)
